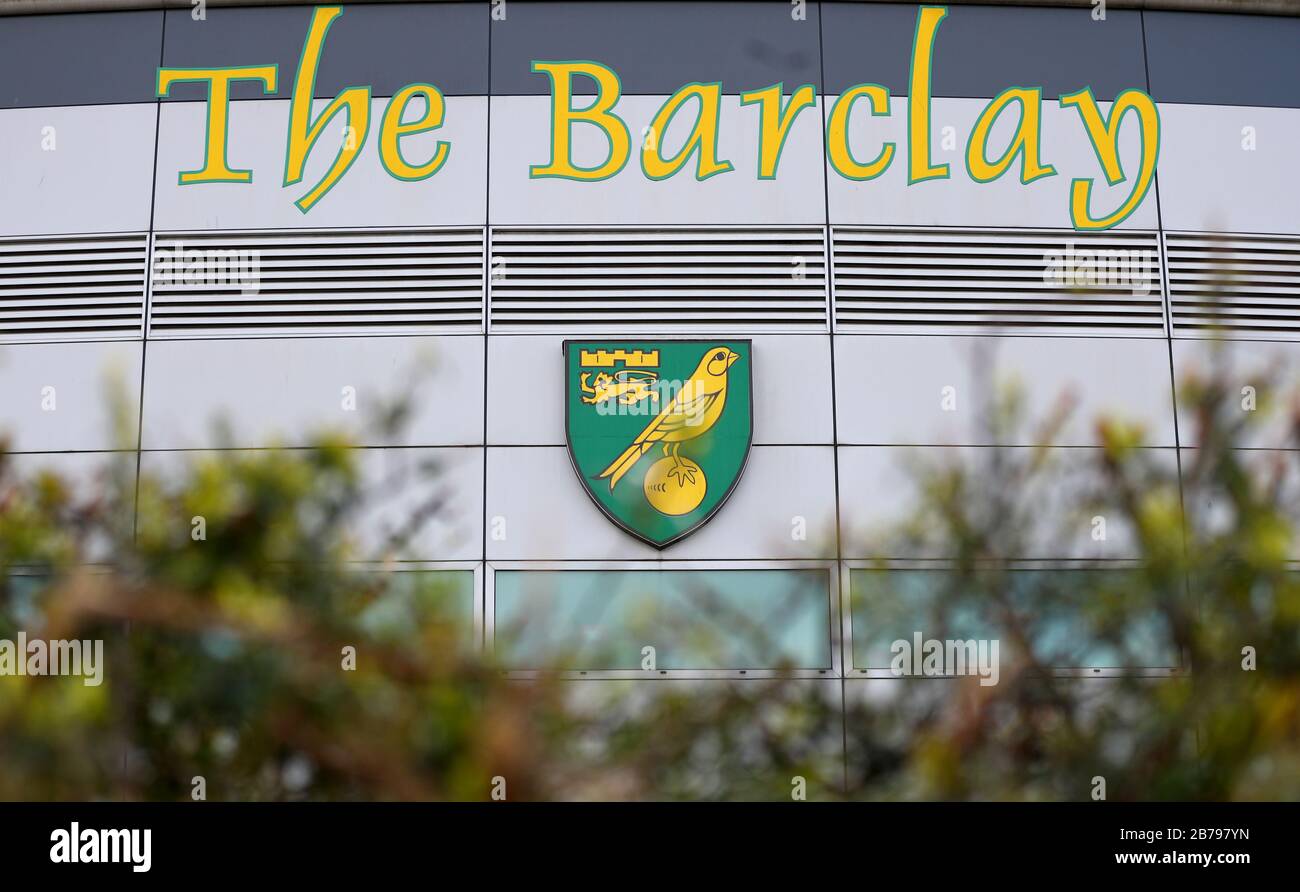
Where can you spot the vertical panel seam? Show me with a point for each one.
(841, 576)
(487, 280)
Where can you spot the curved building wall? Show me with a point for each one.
(898, 286)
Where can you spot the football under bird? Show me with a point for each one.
(690, 414)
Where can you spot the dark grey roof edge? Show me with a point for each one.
(1261, 7)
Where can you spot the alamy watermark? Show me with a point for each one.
(1109, 269)
(637, 392)
(176, 267)
(38, 656)
(933, 656)
(78, 845)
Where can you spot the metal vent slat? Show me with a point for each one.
(910, 280)
(270, 239)
(76, 247)
(1243, 283)
(82, 286)
(308, 316)
(619, 235)
(321, 281)
(1013, 241)
(688, 262)
(662, 278)
(306, 255)
(269, 282)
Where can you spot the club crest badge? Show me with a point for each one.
(659, 431)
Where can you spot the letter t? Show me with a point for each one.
(215, 167)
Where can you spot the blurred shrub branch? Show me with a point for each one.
(225, 654)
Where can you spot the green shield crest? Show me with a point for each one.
(659, 431)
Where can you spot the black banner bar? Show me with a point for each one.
(237, 841)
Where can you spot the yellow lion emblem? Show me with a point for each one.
(628, 386)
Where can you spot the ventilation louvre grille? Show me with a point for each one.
(921, 280)
(76, 287)
(1249, 284)
(679, 278)
(306, 282)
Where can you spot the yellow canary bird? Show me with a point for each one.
(695, 409)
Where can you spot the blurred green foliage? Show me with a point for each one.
(227, 654)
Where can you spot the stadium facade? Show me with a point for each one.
(861, 303)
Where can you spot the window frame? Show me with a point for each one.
(846, 616)
(833, 671)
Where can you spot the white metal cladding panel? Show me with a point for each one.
(291, 391)
(880, 488)
(321, 281)
(1276, 470)
(890, 389)
(417, 504)
(525, 389)
(1248, 285)
(72, 287)
(1271, 368)
(958, 200)
(521, 140)
(79, 169)
(680, 278)
(1228, 168)
(923, 279)
(364, 196)
(80, 377)
(548, 515)
(88, 477)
